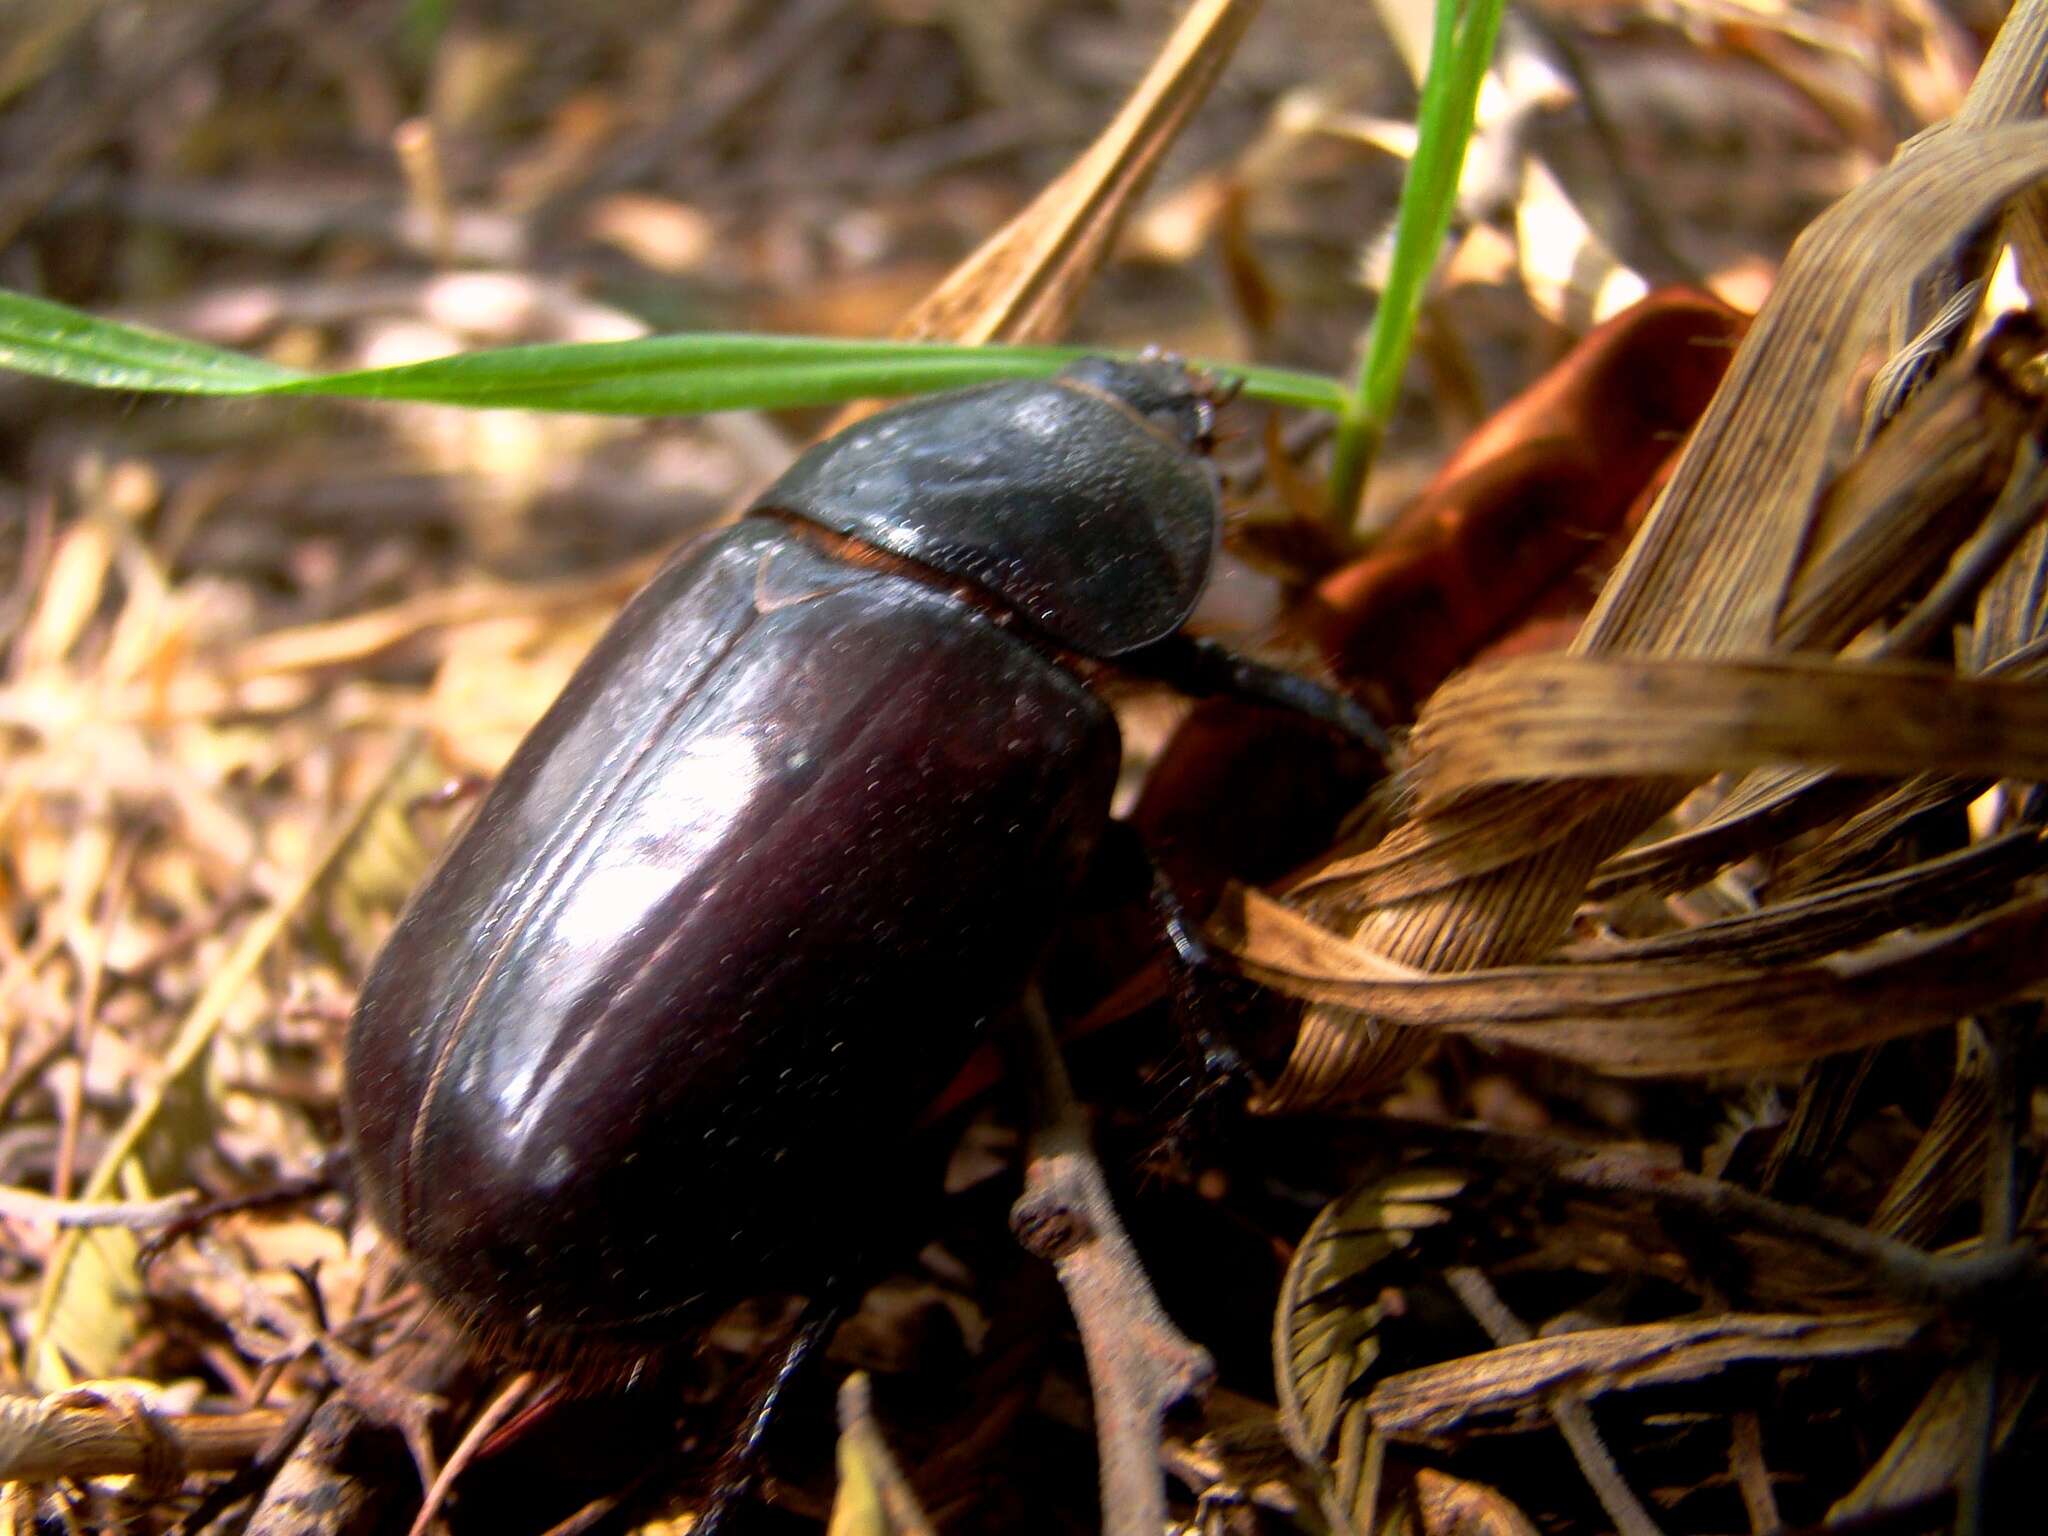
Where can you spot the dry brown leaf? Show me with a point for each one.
(67, 1286)
(1945, 1169)
(1510, 524)
(1026, 280)
(362, 636)
(1520, 1377)
(1889, 520)
(1567, 717)
(1844, 915)
(1643, 1019)
(1706, 577)
(1921, 1458)
(1766, 808)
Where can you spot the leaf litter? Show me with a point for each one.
(1676, 1097)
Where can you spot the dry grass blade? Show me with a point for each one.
(1902, 505)
(1921, 1458)
(1566, 717)
(2012, 611)
(1948, 1163)
(1495, 876)
(1771, 806)
(1709, 572)
(187, 1051)
(2008, 89)
(1781, 1285)
(1025, 281)
(1441, 1398)
(1647, 1019)
(1842, 916)
(1767, 807)
(1887, 517)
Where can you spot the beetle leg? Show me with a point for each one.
(1201, 667)
(1195, 968)
(1222, 1078)
(741, 1467)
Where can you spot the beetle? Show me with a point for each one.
(798, 828)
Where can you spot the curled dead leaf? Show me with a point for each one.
(1656, 1018)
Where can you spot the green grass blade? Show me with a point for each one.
(1463, 46)
(652, 376)
(670, 375)
(37, 336)
(666, 375)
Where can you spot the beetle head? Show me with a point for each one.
(1168, 394)
(1080, 503)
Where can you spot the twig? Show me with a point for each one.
(77, 1435)
(252, 1475)
(323, 1485)
(1139, 1364)
(344, 1469)
(419, 158)
(1905, 1271)
(1574, 1419)
(136, 1215)
(866, 1465)
(482, 1427)
(379, 1397)
(1752, 1472)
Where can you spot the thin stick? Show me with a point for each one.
(1139, 1364)
(496, 1412)
(1574, 1419)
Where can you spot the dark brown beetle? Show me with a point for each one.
(653, 1034)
